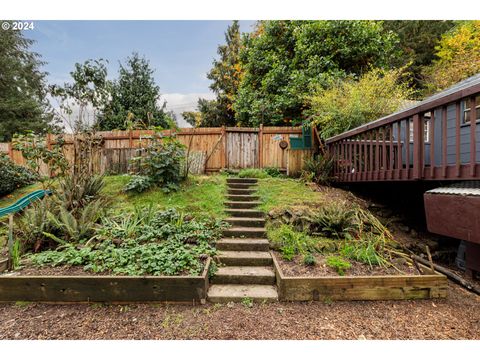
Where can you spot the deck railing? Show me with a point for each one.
(425, 142)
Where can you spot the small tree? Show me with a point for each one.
(159, 163)
(36, 153)
(349, 103)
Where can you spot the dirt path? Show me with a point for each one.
(454, 318)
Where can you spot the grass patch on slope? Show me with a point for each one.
(278, 192)
(198, 195)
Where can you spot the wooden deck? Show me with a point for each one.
(437, 139)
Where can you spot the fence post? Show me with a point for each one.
(418, 146)
(10, 150)
(260, 147)
(224, 152)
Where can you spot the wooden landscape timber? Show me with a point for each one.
(105, 289)
(222, 148)
(334, 288)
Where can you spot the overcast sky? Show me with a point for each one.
(180, 52)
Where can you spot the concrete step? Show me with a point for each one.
(243, 197)
(262, 275)
(243, 244)
(237, 293)
(241, 186)
(244, 258)
(242, 204)
(241, 191)
(245, 232)
(245, 213)
(246, 222)
(242, 181)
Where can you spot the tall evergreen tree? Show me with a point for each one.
(418, 39)
(225, 74)
(134, 99)
(23, 102)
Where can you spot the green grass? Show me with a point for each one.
(198, 195)
(278, 192)
(8, 200)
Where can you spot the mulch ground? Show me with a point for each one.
(456, 317)
(296, 267)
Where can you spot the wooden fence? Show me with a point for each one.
(213, 148)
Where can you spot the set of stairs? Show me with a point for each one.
(246, 269)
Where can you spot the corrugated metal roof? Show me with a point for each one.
(471, 188)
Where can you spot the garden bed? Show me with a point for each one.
(103, 288)
(296, 267)
(373, 287)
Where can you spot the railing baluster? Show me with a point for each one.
(444, 141)
(370, 176)
(377, 154)
(355, 167)
(384, 153)
(365, 157)
(457, 137)
(473, 141)
(407, 146)
(361, 161)
(418, 146)
(432, 143)
(399, 150)
(391, 164)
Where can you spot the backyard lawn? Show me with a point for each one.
(198, 195)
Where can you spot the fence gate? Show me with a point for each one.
(242, 149)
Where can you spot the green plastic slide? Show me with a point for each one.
(24, 202)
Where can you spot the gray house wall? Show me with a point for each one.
(451, 139)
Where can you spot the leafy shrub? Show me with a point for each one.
(161, 162)
(309, 260)
(138, 183)
(13, 176)
(338, 264)
(273, 171)
(349, 103)
(318, 169)
(253, 173)
(290, 242)
(36, 152)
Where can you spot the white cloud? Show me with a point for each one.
(179, 103)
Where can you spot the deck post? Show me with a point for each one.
(418, 146)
